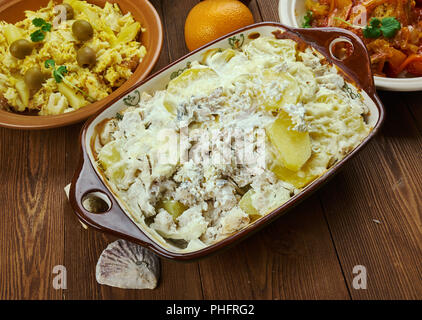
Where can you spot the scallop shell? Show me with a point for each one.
(128, 266)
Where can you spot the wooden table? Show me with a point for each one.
(370, 214)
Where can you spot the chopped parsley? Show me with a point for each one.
(390, 26)
(119, 116)
(37, 36)
(307, 19)
(50, 63)
(38, 22)
(43, 26)
(373, 30)
(58, 74)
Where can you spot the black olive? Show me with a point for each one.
(86, 57)
(70, 13)
(21, 48)
(34, 78)
(82, 30)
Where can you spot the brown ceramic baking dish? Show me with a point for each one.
(12, 11)
(88, 179)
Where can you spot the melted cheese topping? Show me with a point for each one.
(182, 145)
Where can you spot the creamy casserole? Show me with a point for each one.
(230, 139)
(34, 84)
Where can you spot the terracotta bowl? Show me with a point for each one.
(291, 13)
(12, 11)
(89, 180)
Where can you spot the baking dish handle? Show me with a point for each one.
(358, 64)
(86, 181)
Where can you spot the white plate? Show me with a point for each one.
(89, 178)
(291, 13)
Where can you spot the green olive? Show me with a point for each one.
(21, 48)
(86, 57)
(82, 30)
(34, 78)
(70, 13)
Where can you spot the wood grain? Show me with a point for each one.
(31, 230)
(268, 10)
(293, 258)
(175, 13)
(414, 102)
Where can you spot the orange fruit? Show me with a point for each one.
(211, 19)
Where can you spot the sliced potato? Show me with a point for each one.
(117, 172)
(110, 34)
(77, 5)
(109, 154)
(194, 80)
(12, 33)
(175, 208)
(278, 89)
(299, 180)
(21, 107)
(128, 33)
(218, 56)
(23, 91)
(294, 147)
(246, 204)
(188, 84)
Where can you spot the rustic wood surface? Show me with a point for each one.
(370, 214)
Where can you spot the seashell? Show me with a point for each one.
(128, 266)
